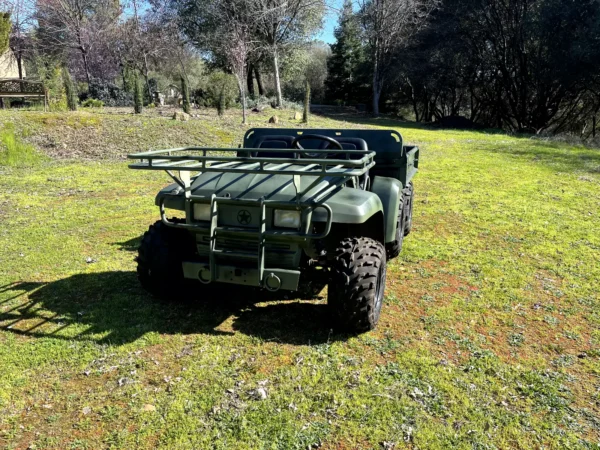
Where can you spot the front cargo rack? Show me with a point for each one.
(356, 164)
(196, 159)
(331, 169)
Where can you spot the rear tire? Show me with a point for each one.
(357, 285)
(394, 248)
(160, 257)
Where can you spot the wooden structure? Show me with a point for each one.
(19, 88)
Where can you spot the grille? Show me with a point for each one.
(276, 254)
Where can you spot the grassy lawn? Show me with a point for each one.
(489, 338)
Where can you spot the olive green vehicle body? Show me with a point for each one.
(335, 192)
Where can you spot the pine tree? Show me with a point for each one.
(347, 61)
(221, 102)
(185, 92)
(69, 89)
(138, 95)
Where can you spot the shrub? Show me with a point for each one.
(221, 91)
(109, 93)
(264, 102)
(53, 82)
(92, 103)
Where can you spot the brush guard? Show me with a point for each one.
(195, 159)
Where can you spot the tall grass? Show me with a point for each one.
(16, 153)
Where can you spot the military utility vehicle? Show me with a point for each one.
(286, 205)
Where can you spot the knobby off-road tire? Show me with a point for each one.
(408, 194)
(394, 248)
(357, 284)
(159, 259)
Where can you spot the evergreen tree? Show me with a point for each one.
(69, 90)
(138, 95)
(5, 26)
(346, 66)
(221, 103)
(306, 103)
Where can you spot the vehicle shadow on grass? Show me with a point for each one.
(111, 308)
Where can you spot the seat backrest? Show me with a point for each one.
(274, 141)
(348, 143)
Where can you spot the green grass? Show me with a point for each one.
(490, 336)
(14, 152)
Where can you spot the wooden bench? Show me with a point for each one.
(17, 88)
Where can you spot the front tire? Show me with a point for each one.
(160, 257)
(357, 285)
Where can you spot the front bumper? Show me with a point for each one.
(272, 279)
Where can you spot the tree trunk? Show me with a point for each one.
(250, 81)
(377, 85)
(413, 99)
(185, 93)
(88, 78)
(240, 83)
(261, 89)
(306, 102)
(19, 64)
(277, 80)
(147, 79)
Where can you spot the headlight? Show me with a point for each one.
(287, 218)
(202, 211)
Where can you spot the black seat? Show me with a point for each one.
(347, 143)
(274, 141)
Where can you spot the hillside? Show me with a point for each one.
(489, 336)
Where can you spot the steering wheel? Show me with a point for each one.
(331, 141)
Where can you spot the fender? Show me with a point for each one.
(389, 191)
(350, 206)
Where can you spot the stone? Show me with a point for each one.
(274, 120)
(181, 116)
(261, 394)
(297, 115)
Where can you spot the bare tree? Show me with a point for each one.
(389, 26)
(282, 23)
(75, 25)
(147, 39)
(240, 46)
(226, 30)
(22, 14)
